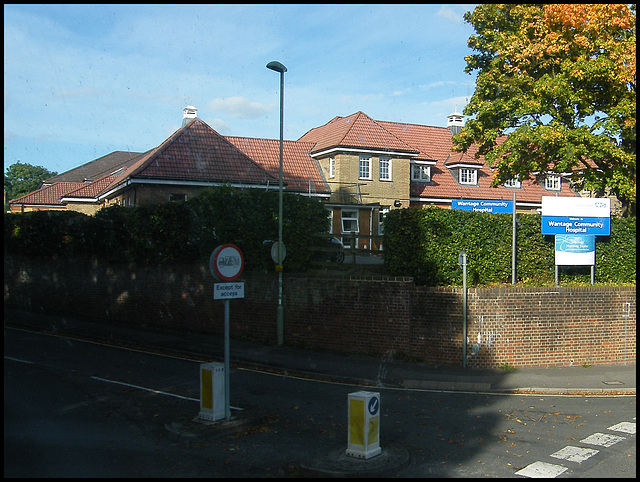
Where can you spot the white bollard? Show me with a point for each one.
(212, 391)
(364, 425)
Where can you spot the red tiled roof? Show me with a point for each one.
(196, 152)
(93, 189)
(300, 172)
(434, 143)
(357, 130)
(50, 194)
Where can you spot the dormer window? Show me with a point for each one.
(421, 170)
(513, 183)
(552, 182)
(467, 176)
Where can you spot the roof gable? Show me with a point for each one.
(356, 131)
(196, 152)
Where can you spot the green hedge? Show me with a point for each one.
(420, 242)
(425, 243)
(177, 232)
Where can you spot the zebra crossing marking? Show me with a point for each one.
(541, 470)
(602, 439)
(577, 454)
(574, 454)
(626, 427)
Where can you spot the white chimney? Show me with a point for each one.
(188, 113)
(455, 121)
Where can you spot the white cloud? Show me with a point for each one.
(240, 107)
(439, 83)
(452, 103)
(220, 126)
(448, 13)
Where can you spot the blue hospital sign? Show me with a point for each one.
(576, 216)
(483, 205)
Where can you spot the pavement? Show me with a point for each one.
(352, 369)
(365, 371)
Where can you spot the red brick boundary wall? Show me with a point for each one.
(385, 317)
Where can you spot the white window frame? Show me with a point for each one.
(381, 165)
(364, 167)
(468, 176)
(553, 182)
(330, 221)
(420, 169)
(350, 221)
(332, 167)
(513, 183)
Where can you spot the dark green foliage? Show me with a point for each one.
(20, 179)
(249, 219)
(616, 254)
(45, 233)
(177, 232)
(425, 243)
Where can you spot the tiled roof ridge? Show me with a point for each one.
(144, 162)
(356, 117)
(97, 168)
(413, 124)
(291, 141)
(134, 167)
(377, 123)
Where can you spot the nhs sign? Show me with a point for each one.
(576, 216)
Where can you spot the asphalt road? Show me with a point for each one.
(78, 409)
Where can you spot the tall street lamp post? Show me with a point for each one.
(278, 67)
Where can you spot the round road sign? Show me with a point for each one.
(278, 252)
(226, 262)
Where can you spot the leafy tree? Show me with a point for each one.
(555, 92)
(22, 178)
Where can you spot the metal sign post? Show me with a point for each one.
(226, 264)
(462, 262)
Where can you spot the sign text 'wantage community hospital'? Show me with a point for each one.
(584, 216)
(483, 205)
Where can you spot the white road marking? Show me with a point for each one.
(626, 427)
(154, 391)
(145, 388)
(18, 360)
(541, 470)
(577, 454)
(574, 454)
(602, 439)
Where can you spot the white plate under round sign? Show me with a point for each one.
(226, 262)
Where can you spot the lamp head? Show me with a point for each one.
(277, 66)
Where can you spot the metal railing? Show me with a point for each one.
(351, 253)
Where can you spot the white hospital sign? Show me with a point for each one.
(577, 216)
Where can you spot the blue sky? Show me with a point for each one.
(81, 81)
